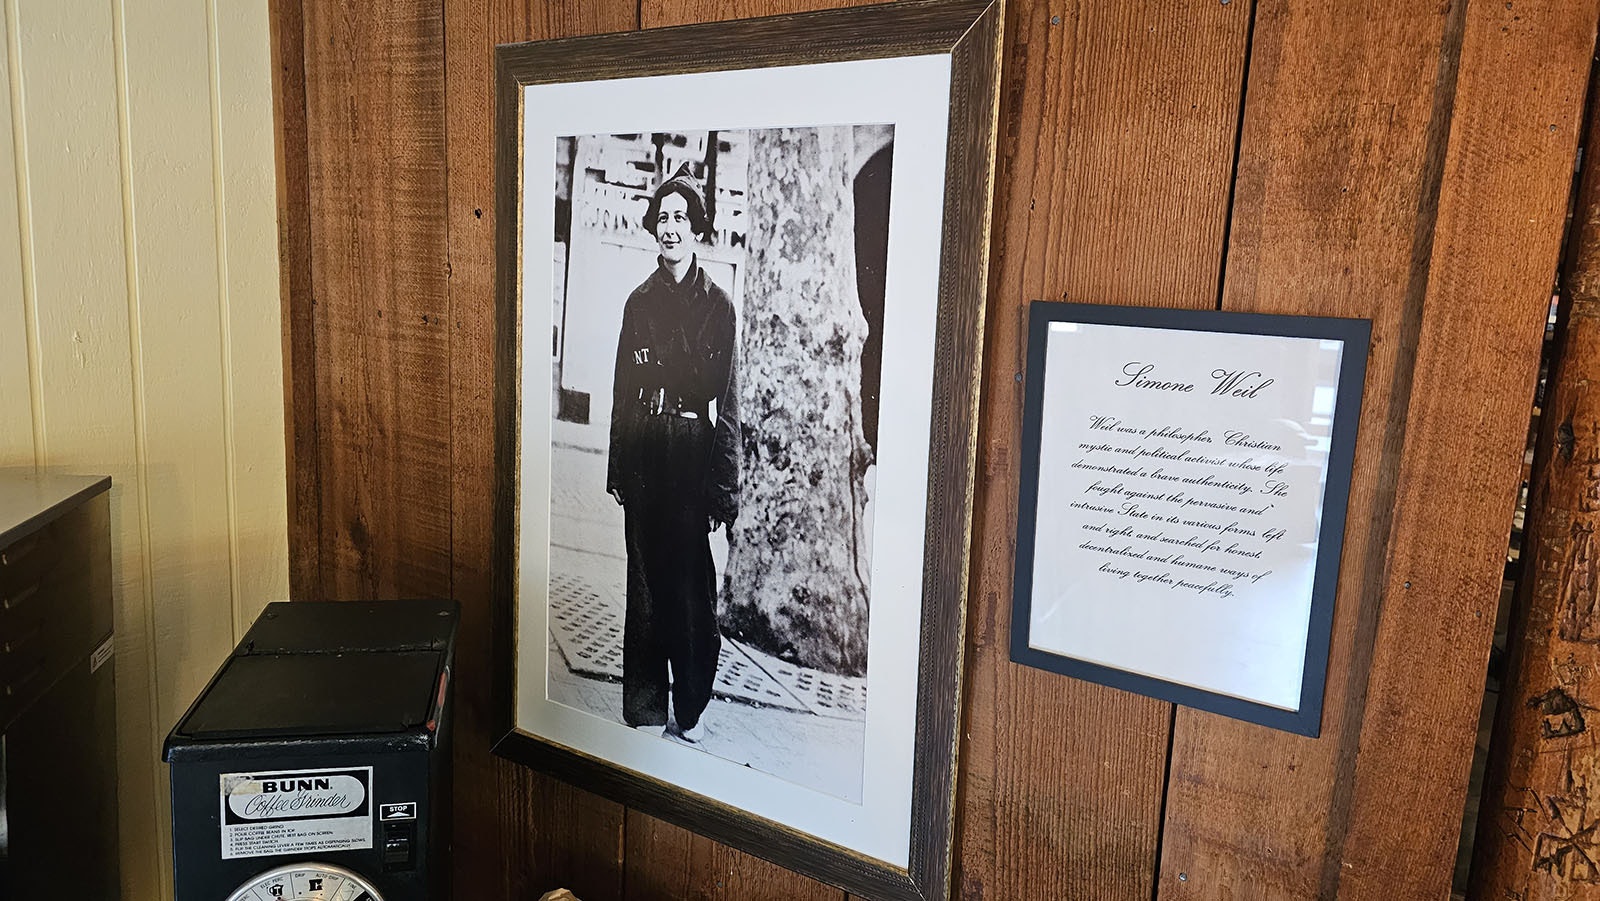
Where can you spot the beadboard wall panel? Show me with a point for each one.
(138, 266)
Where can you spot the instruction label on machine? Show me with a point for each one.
(296, 812)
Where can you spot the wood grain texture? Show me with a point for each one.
(665, 13)
(1532, 839)
(665, 862)
(1116, 153)
(376, 150)
(519, 833)
(1338, 170)
(553, 835)
(295, 286)
(1523, 73)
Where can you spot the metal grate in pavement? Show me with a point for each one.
(588, 630)
(825, 694)
(740, 678)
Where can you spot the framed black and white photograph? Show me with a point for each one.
(741, 279)
(1182, 508)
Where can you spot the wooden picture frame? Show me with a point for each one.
(1185, 476)
(728, 113)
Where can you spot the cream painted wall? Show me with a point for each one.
(140, 336)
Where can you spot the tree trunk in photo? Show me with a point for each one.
(796, 583)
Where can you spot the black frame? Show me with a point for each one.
(1356, 335)
(971, 33)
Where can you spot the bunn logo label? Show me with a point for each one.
(295, 795)
(289, 785)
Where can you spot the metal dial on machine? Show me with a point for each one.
(306, 882)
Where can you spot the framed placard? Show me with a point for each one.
(741, 275)
(1185, 478)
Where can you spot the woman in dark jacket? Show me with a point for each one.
(674, 466)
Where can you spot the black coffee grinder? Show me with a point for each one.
(316, 765)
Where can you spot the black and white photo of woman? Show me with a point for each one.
(717, 326)
(673, 466)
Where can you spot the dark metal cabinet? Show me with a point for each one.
(58, 787)
(321, 746)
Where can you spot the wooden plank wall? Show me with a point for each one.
(1409, 163)
(1539, 775)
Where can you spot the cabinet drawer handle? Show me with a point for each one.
(21, 549)
(18, 684)
(17, 642)
(11, 602)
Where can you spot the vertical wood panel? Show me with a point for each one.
(1541, 762)
(244, 182)
(67, 63)
(190, 418)
(376, 148)
(16, 382)
(519, 833)
(178, 346)
(1502, 204)
(1119, 128)
(302, 470)
(176, 286)
(1536, 791)
(110, 223)
(1339, 162)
